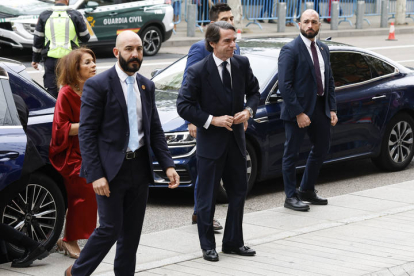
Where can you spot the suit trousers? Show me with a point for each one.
(319, 132)
(49, 78)
(120, 219)
(231, 168)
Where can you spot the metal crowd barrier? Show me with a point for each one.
(202, 14)
(409, 8)
(177, 12)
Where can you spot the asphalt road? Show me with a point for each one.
(173, 208)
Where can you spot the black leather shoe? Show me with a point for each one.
(210, 255)
(242, 251)
(216, 224)
(260, 21)
(296, 204)
(30, 256)
(312, 197)
(272, 21)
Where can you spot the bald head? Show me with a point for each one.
(129, 52)
(309, 12)
(126, 36)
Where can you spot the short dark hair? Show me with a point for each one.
(217, 9)
(213, 32)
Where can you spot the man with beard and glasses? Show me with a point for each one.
(119, 126)
(309, 107)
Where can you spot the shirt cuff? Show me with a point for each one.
(208, 122)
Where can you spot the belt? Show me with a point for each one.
(134, 154)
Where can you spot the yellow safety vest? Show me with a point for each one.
(60, 31)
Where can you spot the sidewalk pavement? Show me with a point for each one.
(364, 233)
(270, 30)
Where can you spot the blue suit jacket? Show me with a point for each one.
(104, 128)
(197, 52)
(297, 80)
(204, 94)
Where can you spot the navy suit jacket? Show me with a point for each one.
(104, 127)
(197, 52)
(297, 80)
(204, 94)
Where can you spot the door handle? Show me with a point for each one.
(6, 156)
(379, 97)
(113, 13)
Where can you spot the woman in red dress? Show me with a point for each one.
(64, 153)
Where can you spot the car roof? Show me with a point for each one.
(271, 47)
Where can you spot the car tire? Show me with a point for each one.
(49, 202)
(151, 40)
(251, 174)
(397, 146)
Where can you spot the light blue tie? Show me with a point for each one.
(132, 114)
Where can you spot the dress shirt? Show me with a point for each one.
(220, 70)
(308, 42)
(122, 78)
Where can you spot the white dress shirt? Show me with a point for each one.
(220, 70)
(307, 42)
(122, 78)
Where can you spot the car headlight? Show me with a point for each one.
(180, 139)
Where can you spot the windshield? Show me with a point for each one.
(264, 68)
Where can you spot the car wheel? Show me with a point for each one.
(151, 40)
(251, 174)
(397, 145)
(38, 212)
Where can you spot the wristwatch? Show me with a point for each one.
(250, 111)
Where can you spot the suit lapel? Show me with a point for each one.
(324, 54)
(237, 80)
(144, 101)
(215, 80)
(118, 92)
(304, 51)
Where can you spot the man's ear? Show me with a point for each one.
(212, 44)
(116, 52)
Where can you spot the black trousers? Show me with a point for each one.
(319, 132)
(232, 168)
(49, 78)
(15, 237)
(120, 219)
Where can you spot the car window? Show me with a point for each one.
(8, 112)
(380, 67)
(263, 67)
(349, 68)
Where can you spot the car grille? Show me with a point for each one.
(161, 178)
(6, 26)
(30, 28)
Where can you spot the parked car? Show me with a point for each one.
(375, 98)
(39, 210)
(151, 19)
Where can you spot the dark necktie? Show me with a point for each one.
(317, 69)
(226, 77)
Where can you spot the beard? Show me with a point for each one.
(127, 66)
(310, 36)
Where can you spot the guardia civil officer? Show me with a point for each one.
(58, 31)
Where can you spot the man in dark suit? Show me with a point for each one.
(119, 125)
(198, 51)
(212, 98)
(309, 106)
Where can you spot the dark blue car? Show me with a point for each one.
(39, 209)
(375, 98)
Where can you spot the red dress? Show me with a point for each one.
(65, 156)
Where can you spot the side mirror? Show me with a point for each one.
(91, 6)
(156, 72)
(275, 97)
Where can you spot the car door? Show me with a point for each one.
(113, 16)
(363, 100)
(12, 136)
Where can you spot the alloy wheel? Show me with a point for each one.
(400, 142)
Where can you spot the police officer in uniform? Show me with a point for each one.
(58, 31)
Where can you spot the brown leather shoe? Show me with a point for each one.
(216, 224)
(68, 271)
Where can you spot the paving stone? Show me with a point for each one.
(389, 193)
(223, 266)
(365, 203)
